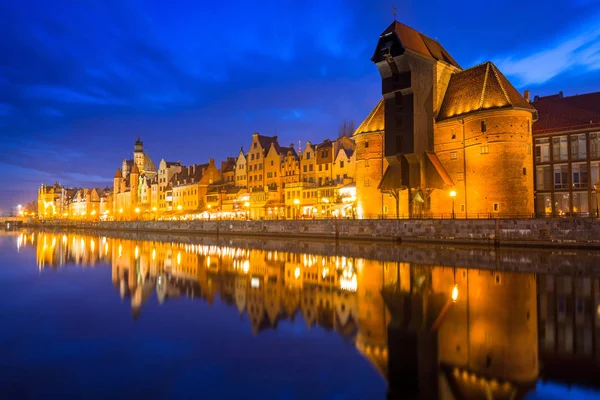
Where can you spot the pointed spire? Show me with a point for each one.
(118, 174)
(135, 169)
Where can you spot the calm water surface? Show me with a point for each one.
(91, 316)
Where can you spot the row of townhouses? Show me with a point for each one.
(443, 141)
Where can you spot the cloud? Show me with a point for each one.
(51, 112)
(578, 49)
(68, 95)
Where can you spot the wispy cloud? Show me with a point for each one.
(576, 49)
(68, 95)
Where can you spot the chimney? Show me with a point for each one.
(189, 169)
(561, 95)
(211, 161)
(194, 169)
(527, 96)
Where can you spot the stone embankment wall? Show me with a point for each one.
(498, 232)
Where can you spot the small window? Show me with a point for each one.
(498, 279)
(483, 126)
(460, 176)
(326, 167)
(462, 208)
(272, 163)
(366, 144)
(367, 163)
(524, 171)
(320, 168)
(496, 207)
(341, 164)
(453, 155)
(385, 209)
(254, 147)
(485, 149)
(453, 134)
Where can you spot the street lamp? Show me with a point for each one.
(137, 212)
(247, 205)
(597, 190)
(297, 204)
(453, 195)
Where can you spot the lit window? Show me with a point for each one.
(453, 155)
(496, 207)
(484, 149)
(460, 176)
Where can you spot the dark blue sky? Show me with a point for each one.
(80, 80)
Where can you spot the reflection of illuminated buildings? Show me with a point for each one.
(400, 315)
(569, 313)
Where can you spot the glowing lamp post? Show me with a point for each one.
(247, 205)
(597, 190)
(297, 204)
(137, 213)
(452, 195)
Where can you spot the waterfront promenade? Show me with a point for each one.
(565, 233)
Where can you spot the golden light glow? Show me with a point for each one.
(121, 211)
(246, 266)
(94, 212)
(178, 258)
(297, 273)
(153, 254)
(137, 210)
(154, 209)
(137, 252)
(455, 293)
(247, 204)
(179, 207)
(296, 201)
(452, 193)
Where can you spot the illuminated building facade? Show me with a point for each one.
(445, 129)
(567, 154)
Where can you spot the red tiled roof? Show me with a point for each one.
(557, 113)
(415, 41)
(480, 88)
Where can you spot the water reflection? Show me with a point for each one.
(431, 331)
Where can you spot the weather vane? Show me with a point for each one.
(395, 11)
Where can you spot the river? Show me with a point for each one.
(108, 315)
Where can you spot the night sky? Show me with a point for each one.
(80, 80)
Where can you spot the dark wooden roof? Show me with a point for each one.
(415, 41)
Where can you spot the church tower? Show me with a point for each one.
(138, 154)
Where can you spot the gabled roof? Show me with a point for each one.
(284, 151)
(265, 142)
(415, 41)
(118, 174)
(375, 121)
(135, 169)
(480, 88)
(558, 113)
